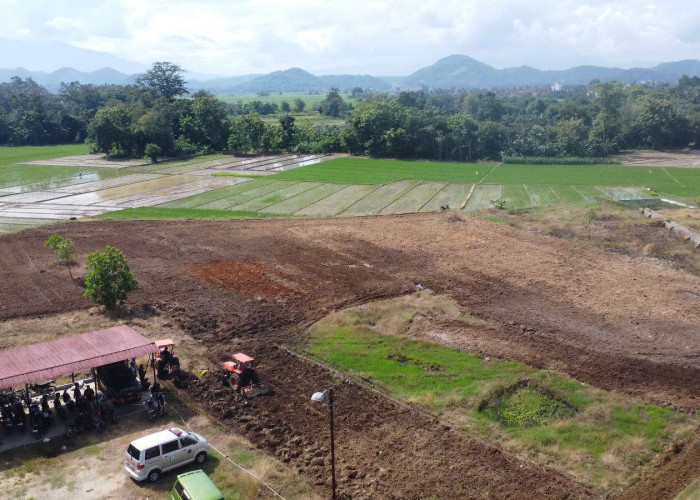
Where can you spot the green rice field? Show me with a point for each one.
(344, 186)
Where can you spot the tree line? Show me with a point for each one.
(152, 117)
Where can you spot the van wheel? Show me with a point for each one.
(201, 457)
(154, 475)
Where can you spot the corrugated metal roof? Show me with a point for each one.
(39, 362)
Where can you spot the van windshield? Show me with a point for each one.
(133, 452)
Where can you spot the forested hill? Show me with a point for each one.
(461, 71)
(453, 72)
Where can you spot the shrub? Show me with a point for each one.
(63, 249)
(153, 151)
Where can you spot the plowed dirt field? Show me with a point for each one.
(614, 321)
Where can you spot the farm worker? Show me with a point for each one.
(142, 373)
(76, 391)
(132, 367)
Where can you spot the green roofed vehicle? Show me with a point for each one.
(195, 485)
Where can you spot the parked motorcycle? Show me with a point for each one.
(155, 406)
(18, 416)
(83, 422)
(47, 388)
(7, 418)
(40, 420)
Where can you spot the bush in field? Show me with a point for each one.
(299, 105)
(499, 203)
(109, 278)
(63, 249)
(153, 151)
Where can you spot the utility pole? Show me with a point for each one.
(330, 413)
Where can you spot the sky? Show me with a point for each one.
(232, 37)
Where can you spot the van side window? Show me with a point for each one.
(181, 491)
(168, 447)
(152, 452)
(187, 441)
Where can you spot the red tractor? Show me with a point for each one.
(242, 376)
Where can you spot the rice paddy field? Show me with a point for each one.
(306, 186)
(357, 186)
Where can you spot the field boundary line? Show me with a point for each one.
(365, 196)
(489, 173)
(434, 195)
(291, 183)
(469, 195)
(280, 201)
(395, 198)
(556, 195)
(346, 187)
(585, 198)
(252, 474)
(672, 177)
(321, 199)
(315, 201)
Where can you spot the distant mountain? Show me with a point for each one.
(457, 71)
(41, 55)
(461, 71)
(52, 81)
(300, 81)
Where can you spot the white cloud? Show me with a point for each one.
(390, 37)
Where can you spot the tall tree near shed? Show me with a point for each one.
(109, 278)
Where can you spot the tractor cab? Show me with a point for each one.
(165, 360)
(240, 364)
(241, 375)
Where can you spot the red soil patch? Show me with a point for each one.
(247, 278)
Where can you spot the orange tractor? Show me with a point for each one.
(242, 376)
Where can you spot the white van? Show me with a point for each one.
(148, 457)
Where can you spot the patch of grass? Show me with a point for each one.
(236, 174)
(18, 154)
(607, 428)
(525, 405)
(567, 160)
(691, 492)
(159, 213)
(372, 171)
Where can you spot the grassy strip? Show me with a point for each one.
(232, 174)
(567, 160)
(19, 154)
(159, 213)
(606, 444)
(371, 171)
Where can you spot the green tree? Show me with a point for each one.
(609, 98)
(165, 79)
(463, 132)
(109, 278)
(152, 151)
(288, 132)
(659, 124)
(63, 249)
(571, 137)
(285, 107)
(333, 104)
(246, 132)
(110, 131)
(207, 122)
(299, 105)
(490, 140)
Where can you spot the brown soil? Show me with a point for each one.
(671, 158)
(609, 319)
